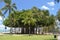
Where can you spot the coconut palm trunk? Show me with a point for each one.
(10, 21)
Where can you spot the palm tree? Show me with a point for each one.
(8, 7)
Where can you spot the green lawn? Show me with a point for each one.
(26, 37)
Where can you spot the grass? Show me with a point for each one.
(27, 37)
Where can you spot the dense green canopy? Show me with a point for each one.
(31, 17)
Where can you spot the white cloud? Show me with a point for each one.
(0, 18)
(3, 30)
(51, 3)
(3, 27)
(44, 7)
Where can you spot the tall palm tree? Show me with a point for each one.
(9, 7)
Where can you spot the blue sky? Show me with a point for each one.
(28, 4)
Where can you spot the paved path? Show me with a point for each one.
(58, 37)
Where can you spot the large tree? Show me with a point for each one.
(30, 18)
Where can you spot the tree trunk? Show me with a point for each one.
(15, 30)
(22, 30)
(5, 28)
(11, 30)
(36, 30)
(29, 31)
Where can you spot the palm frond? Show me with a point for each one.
(14, 6)
(13, 10)
(4, 8)
(7, 1)
(5, 12)
(9, 10)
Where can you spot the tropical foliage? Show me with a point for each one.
(30, 18)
